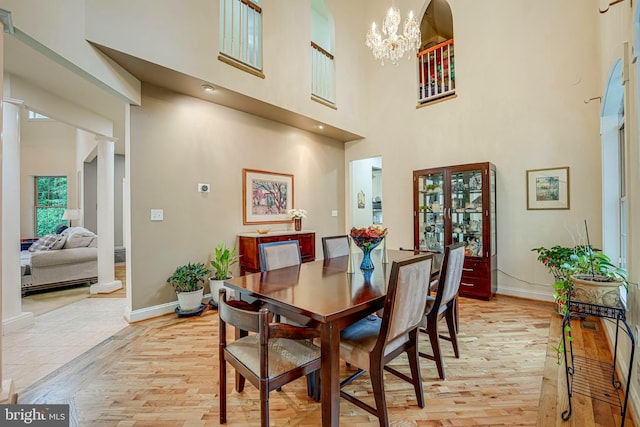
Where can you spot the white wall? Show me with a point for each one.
(47, 148)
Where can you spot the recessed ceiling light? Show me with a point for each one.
(207, 88)
(320, 127)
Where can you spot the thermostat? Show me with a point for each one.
(203, 188)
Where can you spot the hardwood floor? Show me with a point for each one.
(163, 372)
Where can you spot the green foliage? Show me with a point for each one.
(188, 277)
(225, 258)
(51, 201)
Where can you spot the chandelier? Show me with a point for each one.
(394, 46)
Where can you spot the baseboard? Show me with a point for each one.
(105, 288)
(155, 311)
(525, 293)
(20, 321)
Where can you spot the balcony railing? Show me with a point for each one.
(436, 70)
(322, 74)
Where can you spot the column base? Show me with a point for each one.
(8, 394)
(105, 288)
(24, 319)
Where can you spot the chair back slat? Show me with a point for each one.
(406, 296)
(276, 255)
(335, 246)
(453, 275)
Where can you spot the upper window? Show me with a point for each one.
(50, 203)
(241, 31)
(436, 65)
(37, 116)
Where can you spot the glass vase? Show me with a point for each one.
(367, 263)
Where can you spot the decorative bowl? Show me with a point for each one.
(263, 230)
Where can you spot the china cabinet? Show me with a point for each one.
(458, 204)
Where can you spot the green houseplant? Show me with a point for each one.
(224, 259)
(187, 281)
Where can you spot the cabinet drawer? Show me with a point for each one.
(475, 287)
(475, 268)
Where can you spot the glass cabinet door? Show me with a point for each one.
(431, 212)
(467, 210)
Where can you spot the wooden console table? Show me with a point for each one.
(248, 247)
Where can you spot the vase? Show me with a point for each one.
(297, 223)
(367, 263)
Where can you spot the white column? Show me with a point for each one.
(12, 316)
(7, 392)
(106, 275)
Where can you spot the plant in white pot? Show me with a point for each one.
(224, 258)
(187, 281)
(596, 280)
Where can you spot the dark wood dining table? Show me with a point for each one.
(323, 295)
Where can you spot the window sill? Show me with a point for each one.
(241, 66)
(324, 102)
(437, 100)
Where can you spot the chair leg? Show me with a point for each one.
(377, 382)
(451, 324)
(432, 330)
(223, 388)
(264, 404)
(414, 364)
(239, 378)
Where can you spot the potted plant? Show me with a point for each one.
(596, 280)
(224, 258)
(558, 260)
(187, 282)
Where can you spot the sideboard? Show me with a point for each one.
(248, 247)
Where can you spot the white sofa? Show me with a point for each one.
(75, 263)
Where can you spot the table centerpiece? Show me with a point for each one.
(367, 239)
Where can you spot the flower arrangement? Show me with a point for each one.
(297, 213)
(368, 237)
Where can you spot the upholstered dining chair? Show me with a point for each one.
(371, 343)
(335, 246)
(445, 304)
(274, 255)
(274, 356)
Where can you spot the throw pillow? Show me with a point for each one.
(62, 238)
(78, 241)
(44, 243)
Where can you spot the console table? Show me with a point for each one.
(248, 247)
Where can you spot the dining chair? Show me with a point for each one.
(274, 356)
(371, 343)
(335, 246)
(445, 304)
(274, 255)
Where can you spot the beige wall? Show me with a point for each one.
(521, 83)
(178, 142)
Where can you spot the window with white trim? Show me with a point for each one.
(241, 31)
(50, 202)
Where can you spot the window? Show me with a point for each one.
(623, 198)
(322, 61)
(241, 31)
(36, 116)
(50, 202)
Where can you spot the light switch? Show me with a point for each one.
(334, 213)
(157, 214)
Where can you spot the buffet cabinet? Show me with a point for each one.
(248, 247)
(458, 204)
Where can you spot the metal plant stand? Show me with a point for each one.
(590, 377)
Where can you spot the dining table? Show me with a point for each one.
(323, 294)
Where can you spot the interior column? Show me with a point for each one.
(7, 394)
(12, 316)
(106, 274)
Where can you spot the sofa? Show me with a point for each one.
(57, 260)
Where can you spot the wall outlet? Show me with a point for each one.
(334, 213)
(204, 188)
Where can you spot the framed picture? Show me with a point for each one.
(266, 197)
(548, 188)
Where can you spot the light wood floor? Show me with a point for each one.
(163, 372)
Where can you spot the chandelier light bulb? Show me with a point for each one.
(395, 45)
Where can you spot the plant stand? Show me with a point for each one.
(190, 313)
(595, 378)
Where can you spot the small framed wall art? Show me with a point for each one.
(266, 197)
(548, 188)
